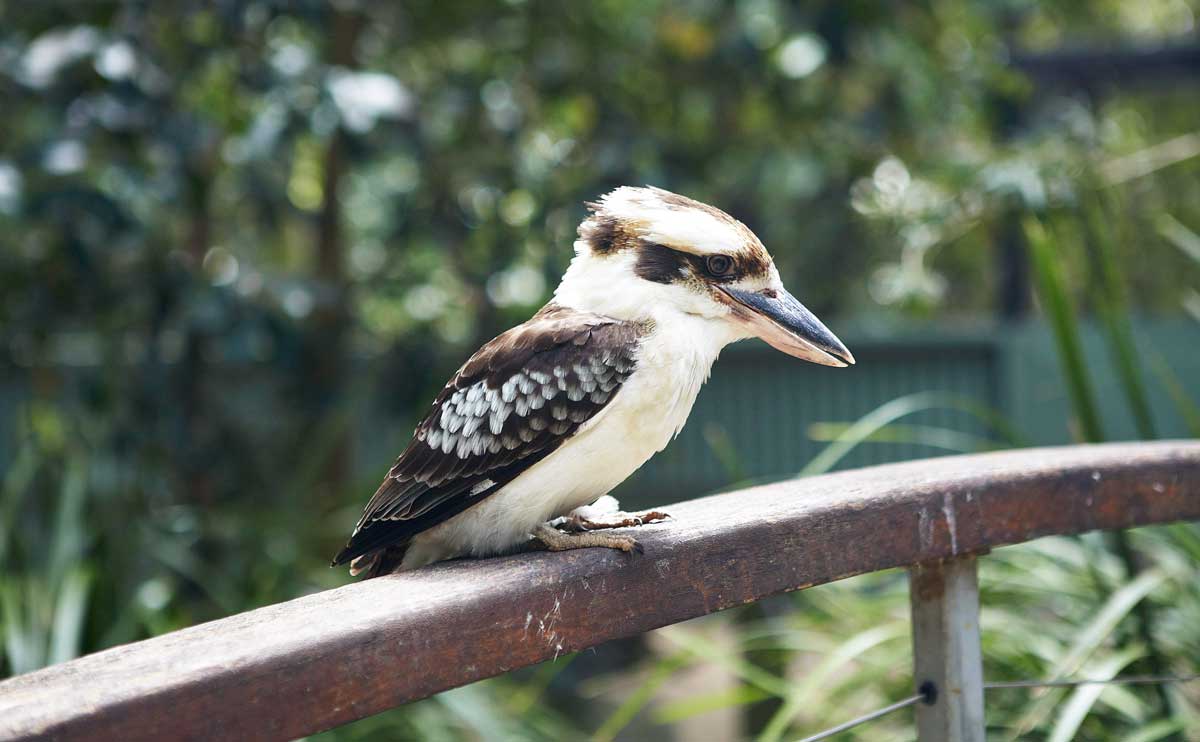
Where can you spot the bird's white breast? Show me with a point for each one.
(673, 362)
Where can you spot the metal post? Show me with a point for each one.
(947, 661)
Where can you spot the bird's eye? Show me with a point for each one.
(719, 265)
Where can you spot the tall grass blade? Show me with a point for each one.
(66, 634)
(889, 412)
(640, 697)
(1090, 639)
(1051, 289)
(1110, 301)
(1178, 234)
(810, 690)
(1080, 703)
(701, 648)
(21, 650)
(1188, 409)
(524, 698)
(1191, 304)
(1155, 731)
(685, 708)
(1108, 298)
(721, 444)
(922, 435)
(13, 490)
(477, 710)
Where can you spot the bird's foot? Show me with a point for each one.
(576, 524)
(606, 513)
(555, 540)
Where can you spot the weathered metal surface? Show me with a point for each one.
(946, 651)
(326, 659)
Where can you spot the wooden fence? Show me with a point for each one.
(322, 660)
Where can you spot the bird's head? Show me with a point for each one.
(646, 253)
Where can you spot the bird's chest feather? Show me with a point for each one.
(656, 401)
(649, 410)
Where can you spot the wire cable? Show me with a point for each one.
(1123, 680)
(865, 718)
(928, 694)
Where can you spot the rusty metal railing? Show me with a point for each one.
(313, 663)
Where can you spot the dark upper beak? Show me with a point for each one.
(778, 318)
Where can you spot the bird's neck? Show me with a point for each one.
(602, 286)
(679, 338)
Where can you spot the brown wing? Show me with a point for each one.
(513, 403)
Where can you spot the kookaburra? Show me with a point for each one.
(554, 413)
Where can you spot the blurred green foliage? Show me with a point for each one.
(228, 229)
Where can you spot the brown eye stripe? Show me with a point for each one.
(661, 264)
(752, 263)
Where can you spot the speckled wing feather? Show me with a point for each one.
(511, 404)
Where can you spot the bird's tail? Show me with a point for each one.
(380, 562)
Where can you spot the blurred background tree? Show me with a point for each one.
(230, 232)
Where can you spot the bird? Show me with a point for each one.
(548, 417)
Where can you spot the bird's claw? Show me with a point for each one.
(554, 539)
(576, 523)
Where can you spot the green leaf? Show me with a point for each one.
(640, 697)
(1188, 409)
(814, 689)
(1177, 233)
(685, 708)
(1080, 703)
(1088, 640)
(1108, 298)
(1157, 730)
(923, 435)
(701, 648)
(1052, 292)
(70, 609)
(887, 413)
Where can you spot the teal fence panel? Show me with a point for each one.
(754, 421)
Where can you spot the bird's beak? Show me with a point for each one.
(778, 318)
